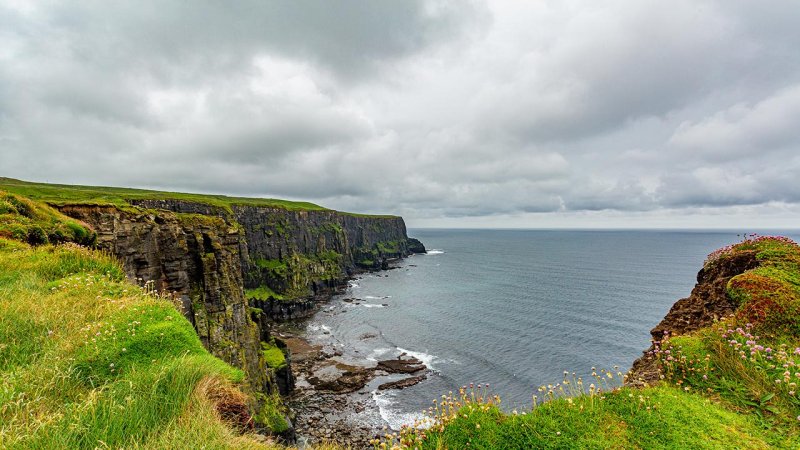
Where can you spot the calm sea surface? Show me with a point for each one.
(515, 308)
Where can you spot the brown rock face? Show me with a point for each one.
(707, 303)
(402, 384)
(338, 377)
(401, 365)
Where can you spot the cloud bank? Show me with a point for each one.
(502, 113)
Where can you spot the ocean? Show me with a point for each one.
(514, 308)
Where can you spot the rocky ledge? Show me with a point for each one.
(707, 303)
(333, 397)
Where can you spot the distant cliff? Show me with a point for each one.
(236, 269)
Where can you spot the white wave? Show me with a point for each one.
(353, 285)
(393, 418)
(426, 358)
(372, 305)
(372, 297)
(318, 327)
(435, 251)
(377, 353)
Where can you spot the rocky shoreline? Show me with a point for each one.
(333, 395)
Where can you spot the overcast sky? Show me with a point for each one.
(500, 114)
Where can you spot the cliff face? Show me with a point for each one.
(707, 303)
(197, 258)
(235, 270)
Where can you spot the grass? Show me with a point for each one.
(733, 384)
(274, 356)
(88, 360)
(37, 223)
(61, 194)
(262, 293)
(659, 417)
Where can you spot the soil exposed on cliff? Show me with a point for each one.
(707, 303)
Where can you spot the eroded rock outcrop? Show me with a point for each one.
(236, 269)
(708, 302)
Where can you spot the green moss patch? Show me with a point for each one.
(273, 355)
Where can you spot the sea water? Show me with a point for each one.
(514, 308)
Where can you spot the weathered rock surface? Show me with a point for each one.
(707, 303)
(338, 377)
(402, 384)
(208, 256)
(403, 364)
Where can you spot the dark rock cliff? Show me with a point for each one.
(707, 303)
(234, 270)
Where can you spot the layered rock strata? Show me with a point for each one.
(234, 270)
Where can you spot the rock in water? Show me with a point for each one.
(402, 365)
(402, 384)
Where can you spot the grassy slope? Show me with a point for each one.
(59, 194)
(37, 223)
(88, 360)
(731, 385)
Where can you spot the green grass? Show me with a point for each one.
(88, 360)
(37, 223)
(61, 194)
(659, 417)
(262, 293)
(270, 264)
(274, 356)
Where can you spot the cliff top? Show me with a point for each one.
(63, 194)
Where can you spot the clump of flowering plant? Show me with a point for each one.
(750, 241)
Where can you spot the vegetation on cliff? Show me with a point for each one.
(36, 223)
(59, 194)
(89, 360)
(725, 383)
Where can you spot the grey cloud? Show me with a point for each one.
(745, 130)
(432, 109)
(347, 36)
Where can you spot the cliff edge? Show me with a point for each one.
(233, 264)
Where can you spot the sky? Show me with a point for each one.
(532, 114)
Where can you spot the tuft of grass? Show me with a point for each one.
(36, 223)
(273, 354)
(262, 292)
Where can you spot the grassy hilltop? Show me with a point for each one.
(60, 194)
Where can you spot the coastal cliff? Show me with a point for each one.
(708, 303)
(227, 268)
(236, 265)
